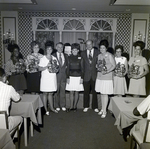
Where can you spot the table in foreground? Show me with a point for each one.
(6, 141)
(122, 108)
(27, 107)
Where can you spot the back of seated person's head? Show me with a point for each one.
(2, 72)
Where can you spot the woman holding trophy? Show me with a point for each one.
(48, 66)
(120, 87)
(104, 81)
(138, 68)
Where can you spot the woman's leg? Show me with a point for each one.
(105, 102)
(76, 99)
(71, 98)
(45, 100)
(51, 103)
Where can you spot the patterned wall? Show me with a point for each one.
(25, 26)
(0, 42)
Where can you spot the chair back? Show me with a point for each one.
(3, 120)
(147, 129)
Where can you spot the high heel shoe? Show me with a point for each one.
(104, 115)
(100, 113)
(55, 111)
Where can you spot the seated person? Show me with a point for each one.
(7, 92)
(141, 110)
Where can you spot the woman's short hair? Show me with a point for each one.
(34, 43)
(119, 47)
(13, 46)
(49, 44)
(104, 42)
(75, 46)
(141, 44)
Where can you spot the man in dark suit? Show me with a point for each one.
(89, 69)
(60, 100)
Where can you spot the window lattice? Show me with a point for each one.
(101, 25)
(74, 25)
(47, 24)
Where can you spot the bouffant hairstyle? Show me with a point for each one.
(104, 43)
(141, 44)
(11, 47)
(75, 46)
(34, 43)
(49, 44)
(119, 47)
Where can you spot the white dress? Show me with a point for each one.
(48, 82)
(120, 86)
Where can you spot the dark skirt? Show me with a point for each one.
(18, 82)
(33, 82)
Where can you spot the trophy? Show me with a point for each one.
(101, 66)
(53, 67)
(134, 70)
(20, 67)
(120, 69)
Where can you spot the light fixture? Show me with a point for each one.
(8, 38)
(139, 36)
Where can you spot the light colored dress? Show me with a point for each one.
(104, 83)
(48, 81)
(138, 86)
(120, 86)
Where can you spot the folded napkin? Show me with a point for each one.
(144, 106)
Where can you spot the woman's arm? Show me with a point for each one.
(42, 68)
(112, 61)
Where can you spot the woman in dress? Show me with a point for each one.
(33, 74)
(138, 68)
(74, 76)
(120, 87)
(48, 66)
(104, 81)
(15, 68)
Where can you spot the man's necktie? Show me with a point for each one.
(90, 56)
(60, 59)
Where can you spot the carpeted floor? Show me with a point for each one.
(76, 130)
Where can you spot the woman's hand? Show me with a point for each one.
(136, 77)
(81, 81)
(68, 81)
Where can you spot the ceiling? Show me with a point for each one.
(103, 6)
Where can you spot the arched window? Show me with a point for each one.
(101, 25)
(74, 25)
(47, 25)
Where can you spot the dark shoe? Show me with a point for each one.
(75, 109)
(68, 110)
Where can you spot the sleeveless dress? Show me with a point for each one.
(138, 86)
(120, 86)
(104, 83)
(48, 82)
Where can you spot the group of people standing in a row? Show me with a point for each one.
(92, 70)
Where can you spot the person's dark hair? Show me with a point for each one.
(11, 47)
(34, 43)
(141, 44)
(75, 46)
(104, 43)
(119, 47)
(2, 72)
(49, 44)
(110, 50)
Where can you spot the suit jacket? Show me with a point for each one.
(61, 75)
(89, 70)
